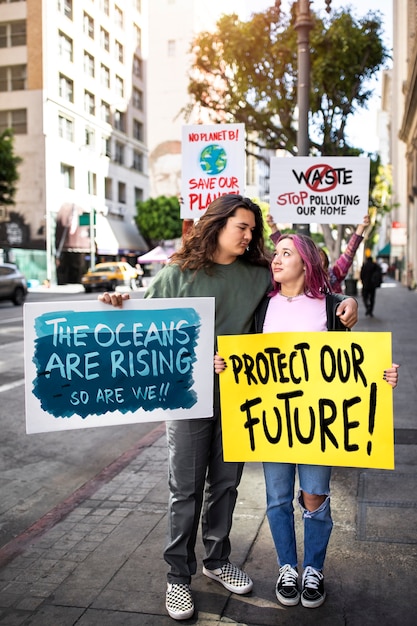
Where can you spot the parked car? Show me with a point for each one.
(13, 284)
(108, 276)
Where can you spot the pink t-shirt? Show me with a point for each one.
(295, 314)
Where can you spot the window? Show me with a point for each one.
(65, 7)
(120, 121)
(15, 119)
(92, 183)
(66, 127)
(106, 146)
(104, 39)
(105, 7)
(138, 130)
(171, 48)
(13, 78)
(88, 26)
(118, 50)
(119, 153)
(137, 67)
(18, 33)
(89, 137)
(108, 188)
(13, 34)
(138, 195)
(89, 104)
(137, 98)
(105, 76)
(121, 192)
(89, 64)
(67, 176)
(18, 77)
(105, 112)
(65, 47)
(66, 88)
(118, 16)
(137, 161)
(138, 37)
(119, 87)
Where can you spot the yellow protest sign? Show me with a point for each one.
(316, 398)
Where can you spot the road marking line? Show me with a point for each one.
(9, 386)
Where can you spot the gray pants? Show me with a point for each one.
(197, 469)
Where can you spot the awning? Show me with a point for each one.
(157, 255)
(386, 250)
(118, 236)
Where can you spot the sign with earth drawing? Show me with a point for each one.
(321, 190)
(213, 165)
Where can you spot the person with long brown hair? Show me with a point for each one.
(223, 257)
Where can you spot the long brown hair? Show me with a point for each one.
(200, 244)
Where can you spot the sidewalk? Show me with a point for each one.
(96, 559)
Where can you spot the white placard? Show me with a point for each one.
(89, 364)
(322, 190)
(213, 165)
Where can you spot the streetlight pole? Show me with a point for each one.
(303, 26)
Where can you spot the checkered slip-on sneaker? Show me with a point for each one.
(231, 577)
(179, 601)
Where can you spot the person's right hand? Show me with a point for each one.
(115, 299)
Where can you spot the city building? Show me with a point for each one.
(72, 88)
(170, 60)
(404, 128)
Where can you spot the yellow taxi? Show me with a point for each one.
(108, 276)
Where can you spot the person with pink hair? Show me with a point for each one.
(301, 300)
(340, 269)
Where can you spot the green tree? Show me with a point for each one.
(9, 174)
(159, 219)
(247, 72)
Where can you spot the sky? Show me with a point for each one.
(362, 128)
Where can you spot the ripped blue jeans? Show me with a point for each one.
(280, 482)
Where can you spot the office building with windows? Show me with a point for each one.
(72, 88)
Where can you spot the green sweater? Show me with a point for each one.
(237, 288)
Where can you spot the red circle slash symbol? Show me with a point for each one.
(319, 175)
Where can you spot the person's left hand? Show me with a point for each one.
(347, 311)
(219, 363)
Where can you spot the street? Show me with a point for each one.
(39, 471)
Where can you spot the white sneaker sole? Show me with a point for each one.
(313, 604)
(180, 616)
(239, 590)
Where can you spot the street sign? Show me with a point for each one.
(84, 219)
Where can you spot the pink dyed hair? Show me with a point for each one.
(316, 280)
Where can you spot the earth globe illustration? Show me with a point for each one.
(213, 159)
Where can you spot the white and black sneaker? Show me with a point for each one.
(313, 594)
(179, 601)
(231, 577)
(287, 588)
